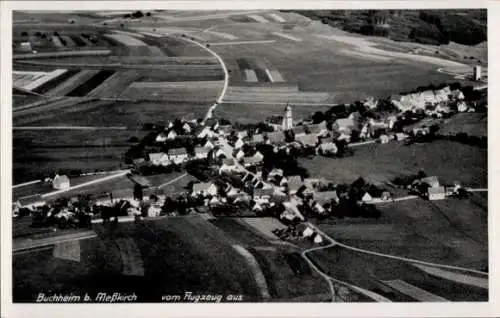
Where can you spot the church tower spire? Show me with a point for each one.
(287, 118)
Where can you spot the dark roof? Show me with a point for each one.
(276, 137)
(177, 151)
(263, 192)
(299, 129)
(308, 140)
(202, 149)
(228, 161)
(275, 120)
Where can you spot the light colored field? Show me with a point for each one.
(258, 18)
(276, 17)
(366, 56)
(174, 91)
(413, 291)
(367, 46)
(244, 94)
(125, 39)
(287, 36)
(62, 54)
(57, 42)
(250, 76)
(111, 13)
(42, 80)
(274, 76)
(21, 78)
(224, 35)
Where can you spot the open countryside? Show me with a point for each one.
(255, 156)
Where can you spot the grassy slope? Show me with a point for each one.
(179, 254)
(381, 163)
(473, 124)
(44, 152)
(452, 232)
(464, 26)
(283, 283)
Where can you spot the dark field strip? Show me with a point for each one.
(239, 232)
(78, 40)
(92, 83)
(261, 75)
(243, 64)
(47, 86)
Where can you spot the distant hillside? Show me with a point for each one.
(468, 27)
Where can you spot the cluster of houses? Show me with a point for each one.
(427, 99)
(432, 189)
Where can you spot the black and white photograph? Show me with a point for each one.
(249, 156)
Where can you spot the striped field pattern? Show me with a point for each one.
(115, 84)
(271, 94)
(70, 84)
(174, 91)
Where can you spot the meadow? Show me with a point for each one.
(44, 152)
(377, 163)
(177, 255)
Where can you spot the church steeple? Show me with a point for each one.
(287, 118)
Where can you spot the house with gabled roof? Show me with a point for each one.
(308, 140)
(187, 128)
(239, 143)
(239, 154)
(204, 132)
(229, 166)
(201, 152)
(319, 129)
(208, 144)
(326, 146)
(294, 183)
(204, 189)
(263, 194)
(299, 131)
(275, 138)
(178, 155)
(344, 124)
(324, 197)
(171, 135)
(258, 139)
(161, 137)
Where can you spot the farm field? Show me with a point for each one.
(174, 91)
(449, 232)
(277, 263)
(198, 258)
(381, 163)
(43, 152)
(253, 112)
(375, 273)
(129, 114)
(473, 124)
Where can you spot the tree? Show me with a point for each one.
(24, 33)
(137, 14)
(138, 193)
(359, 183)
(133, 139)
(318, 117)
(148, 14)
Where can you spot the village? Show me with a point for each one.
(252, 170)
